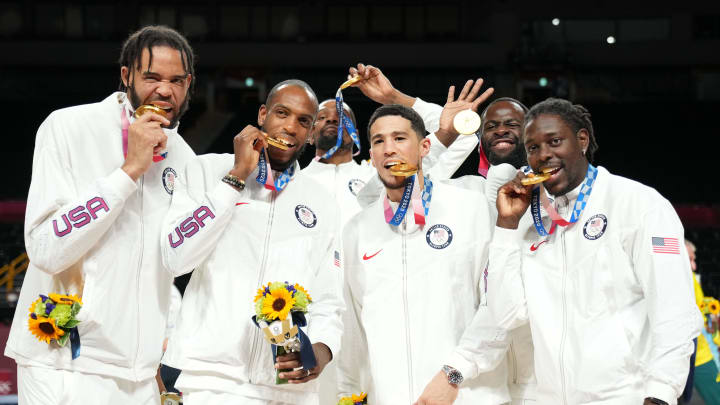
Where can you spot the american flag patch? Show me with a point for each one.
(665, 245)
(337, 259)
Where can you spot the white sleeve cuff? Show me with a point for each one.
(224, 196)
(121, 183)
(505, 237)
(465, 367)
(659, 390)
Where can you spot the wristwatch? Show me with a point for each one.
(656, 401)
(453, 376)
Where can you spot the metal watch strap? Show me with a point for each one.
(453, 375)
(234, 181)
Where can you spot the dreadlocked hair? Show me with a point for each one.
(575, 116)
(149, 37)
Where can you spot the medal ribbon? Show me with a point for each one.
(125, 125)
(411, 196)
(582, 199)
(265, 176)
(345, 123)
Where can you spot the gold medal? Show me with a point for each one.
(466, 122)
(149, 108)
(403, 169)
(533, 178)
(277, 142)
(350, 82)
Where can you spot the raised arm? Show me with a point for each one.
(202, 204)
(64, 220)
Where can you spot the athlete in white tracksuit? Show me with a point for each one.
(413, 290)
(91, 230)
(345, 180)
(238, 239)
(607, 298)
(500, 120)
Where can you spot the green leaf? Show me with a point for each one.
(63, 339)
(75, 308)
(71, 324)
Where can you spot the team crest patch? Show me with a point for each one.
(305, 216)
(355, 185)
(439, 236)
(595, 227)
(168, 179)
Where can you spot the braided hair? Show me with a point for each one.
(149, 37)
(575, 116)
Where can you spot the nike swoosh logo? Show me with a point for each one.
(240, 204)
(535, 247)
(366, 257)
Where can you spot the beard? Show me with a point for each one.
(393, 186)
(136, 102)
(517, 157)
(326, 140)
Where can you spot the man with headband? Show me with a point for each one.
(242, 221)
(101, 181)
(598, 273)
(413, 261)
(501, 154)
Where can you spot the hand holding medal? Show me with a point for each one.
(459, 116)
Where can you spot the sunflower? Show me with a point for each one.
(301, 288)
(714, 307)
(277, 304)
(703, 307)
(44, 329)
(260, 294)
(359, 399)
(34, 305)
(65, 299)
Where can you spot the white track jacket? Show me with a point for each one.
(608, 299)
(90, 230)
(414, 292)
(236, 242)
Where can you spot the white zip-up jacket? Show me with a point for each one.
(612, 312)
(236, 242)
(90, 230)
(413, 293)
(518, 343)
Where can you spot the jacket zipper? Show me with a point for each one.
(254, 357)
(406, 311)
(137, 274)
(514, 363)
(564, 314)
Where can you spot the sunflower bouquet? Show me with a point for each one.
(710, 305)
(280, 309)
(52, 317)
(354, 400)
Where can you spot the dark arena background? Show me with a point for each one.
(649, 75)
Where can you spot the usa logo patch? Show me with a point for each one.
(168, 179)
(595, 227)
(305, 216)
(355, 185)
(439, 236)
